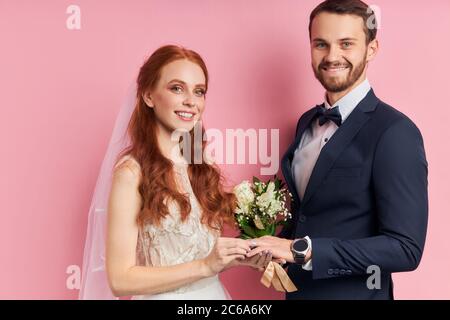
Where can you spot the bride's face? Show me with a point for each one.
(179, 97)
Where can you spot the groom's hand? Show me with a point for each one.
(280, 248)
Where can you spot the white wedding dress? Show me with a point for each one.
(176, 242)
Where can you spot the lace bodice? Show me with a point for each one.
(175, 242)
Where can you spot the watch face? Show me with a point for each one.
(300, 245)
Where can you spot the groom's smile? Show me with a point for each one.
(330, 70)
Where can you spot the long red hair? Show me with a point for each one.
(157, 185)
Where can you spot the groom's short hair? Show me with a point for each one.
(353, 7)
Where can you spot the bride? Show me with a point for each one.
(162, 219)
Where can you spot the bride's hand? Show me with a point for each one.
(225, 253)
(259, 261)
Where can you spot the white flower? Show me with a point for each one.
(264, 200)
(245, 196)
(275, 207)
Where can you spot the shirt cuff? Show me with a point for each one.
(308, 266)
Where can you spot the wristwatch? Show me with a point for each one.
(299, 249)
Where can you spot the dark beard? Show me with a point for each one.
(333, 86)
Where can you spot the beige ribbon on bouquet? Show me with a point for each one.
(275, 275)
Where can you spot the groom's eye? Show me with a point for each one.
(347, 45)
(320, 45)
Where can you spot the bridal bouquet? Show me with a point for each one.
(261, 207)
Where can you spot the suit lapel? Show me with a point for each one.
(286, 161)
(338, 142)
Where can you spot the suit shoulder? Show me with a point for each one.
(393, 121)
(390, 116)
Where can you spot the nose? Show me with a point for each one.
(334, 54)
(189, 101)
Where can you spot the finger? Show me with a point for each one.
(233, 251)
(232, 257)
(255, 251)
(243, 246)
(256, 242)
(253, 260)
(279, 260)
(265, 259)
(252, 243)
(260, 260)
(261, 257)
(268, 259)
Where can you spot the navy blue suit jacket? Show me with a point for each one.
(366, 204)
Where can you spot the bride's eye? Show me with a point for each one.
(176, 89)
(200, 92)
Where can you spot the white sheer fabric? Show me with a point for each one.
(94, 283)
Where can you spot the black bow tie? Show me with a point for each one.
(326, 115)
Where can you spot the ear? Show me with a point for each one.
(372, 50)
(148, 99)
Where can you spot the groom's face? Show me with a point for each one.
(338, 50)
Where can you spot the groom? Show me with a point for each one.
(357, 171)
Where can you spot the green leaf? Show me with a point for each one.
(261, 233)
(244, 222)
(268, 231)
(277, 184)
(249, 231)
(272, 228)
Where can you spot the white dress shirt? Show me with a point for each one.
(316, 136)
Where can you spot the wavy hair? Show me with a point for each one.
(157, 185)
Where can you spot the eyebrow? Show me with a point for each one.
(181, 81)
(344, 39)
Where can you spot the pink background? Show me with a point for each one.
(61, 91)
